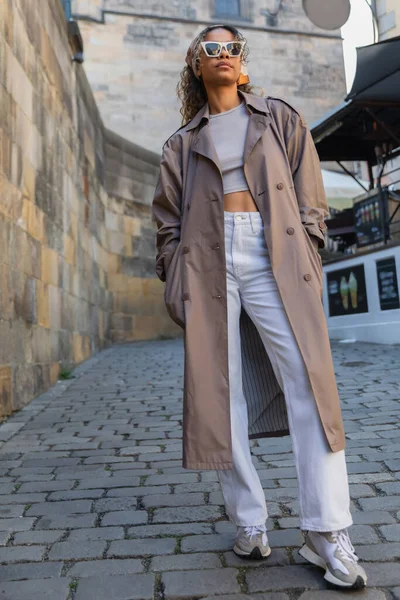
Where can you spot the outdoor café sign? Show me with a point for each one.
(369, 220)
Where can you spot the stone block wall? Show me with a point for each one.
(77, 243)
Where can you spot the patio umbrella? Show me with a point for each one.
(378, 72)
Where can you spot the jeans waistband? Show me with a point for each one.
(236, 219)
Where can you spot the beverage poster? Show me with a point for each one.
(347, 292)
(387, 283)
(368, 221)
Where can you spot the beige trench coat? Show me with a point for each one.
(283, 172)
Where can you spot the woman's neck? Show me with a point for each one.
(222, 99)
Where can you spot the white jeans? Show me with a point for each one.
(324, 503)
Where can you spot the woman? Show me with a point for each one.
(240, 209)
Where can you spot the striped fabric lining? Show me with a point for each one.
(265, 400)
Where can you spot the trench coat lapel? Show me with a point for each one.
(203, 144)
(257, 125)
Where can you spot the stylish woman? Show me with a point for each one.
(240, 209)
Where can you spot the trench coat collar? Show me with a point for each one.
(257, 102)
(202, 142)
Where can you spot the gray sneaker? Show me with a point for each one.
(252, 542)
(334, 552)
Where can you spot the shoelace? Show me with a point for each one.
(344, 545)
(252, 530)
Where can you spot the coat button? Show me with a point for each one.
(215, 247)
(185, 249)
(280, 186)
(290, 230)
(214, 199)
(307, 276)
(185, 296)
(321, 225)
(217, 296)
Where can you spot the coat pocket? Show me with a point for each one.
(315, 259)
(173, 289)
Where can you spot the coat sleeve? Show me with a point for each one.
(307, 177)
(166, 206)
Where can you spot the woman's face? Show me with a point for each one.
(211, 68)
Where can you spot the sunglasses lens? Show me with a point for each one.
(212, 48)
(234, 48)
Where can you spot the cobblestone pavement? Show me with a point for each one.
(94, 503)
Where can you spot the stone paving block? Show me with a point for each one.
(37, 570)
(366, 594)
(66, 521)
(207, 543)
(115, 504)
(172, 530)
(138, 491)
(396, 593)
(11, 510)
(174, 479)
(117, 587)
(75, 495)
(271, 596)
(96, 533)
(179, 562)
(173, 500)
(17, 524)
(196, 584)
(71, 550)
(39, 589)
(285, 537)
(373, 517)
(124, 517)
(380, 503)
(380, 552)
(363, 534)
(390, 489)
(11, 554)
(142, 547)
(182, 514)
(284, 578)
(391, 532)
(4, 537)
(60, 508)
(383, 574)
(37, 537)
(22, 498)
(115, 566)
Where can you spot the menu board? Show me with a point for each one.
(387, 283)
(369, 220)
(347, 294)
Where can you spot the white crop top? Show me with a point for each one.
(228, 131)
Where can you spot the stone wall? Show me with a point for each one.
(135, 50)
(76, 237)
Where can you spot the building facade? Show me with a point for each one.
(134, 53)
(388, 17)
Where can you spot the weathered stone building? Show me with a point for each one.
(76, 238)
(134, 52)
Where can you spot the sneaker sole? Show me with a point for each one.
(255, 554)
(315, 559)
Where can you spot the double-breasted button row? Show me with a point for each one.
(185, 296)
(185, 249)
(307, 276)
(280, 186)
(290, 230)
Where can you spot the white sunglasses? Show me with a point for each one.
(213, 49)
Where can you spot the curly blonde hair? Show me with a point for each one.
(190, 90)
